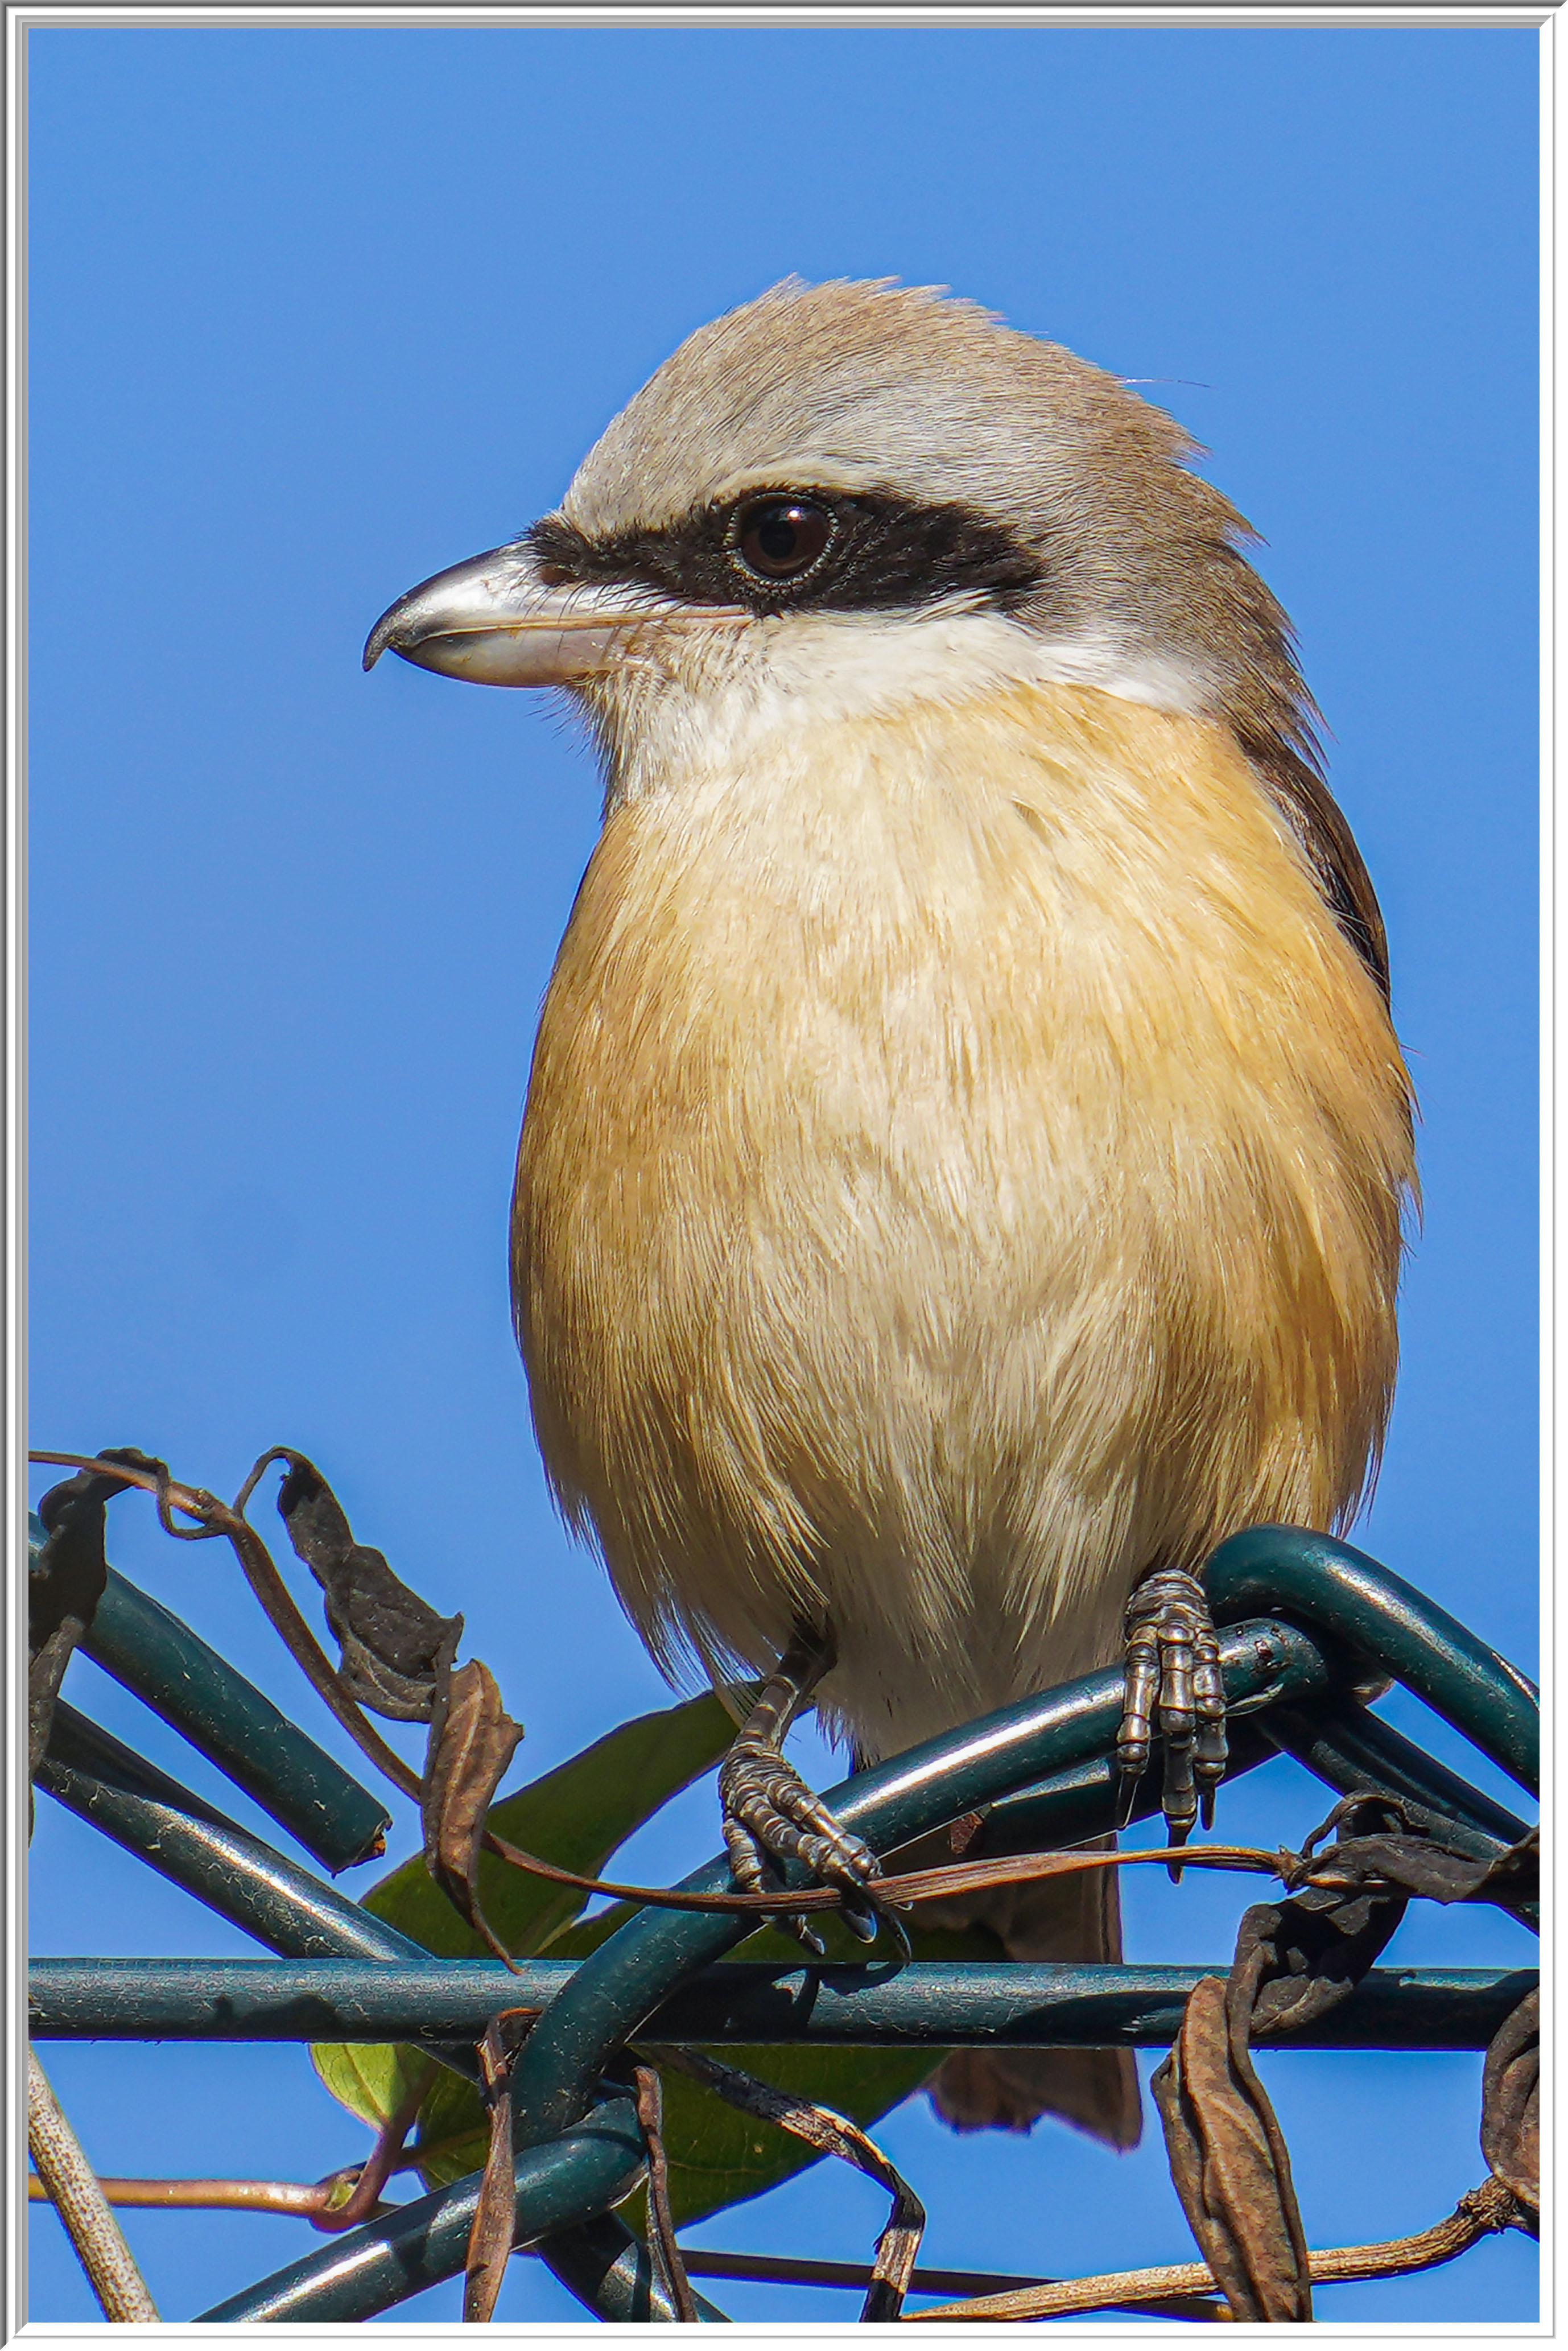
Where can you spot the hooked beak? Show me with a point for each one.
(493, 621)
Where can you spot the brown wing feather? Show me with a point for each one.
(1313, 815)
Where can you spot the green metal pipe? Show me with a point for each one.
(196, 1847)
(1089, 1801)
(1347, 1746)
(1338, 1739)
(609, 2270)
(370, 2270)
(224, 1717)
(270, 1896)
(297, 1783)
(656, 1952)
(1335, 1589)
(1326, 1584)
(937, 2003)
(151, 1653)
(655, 1955)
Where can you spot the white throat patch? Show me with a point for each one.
(692, 704)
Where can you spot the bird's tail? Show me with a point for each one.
(1096, 2090)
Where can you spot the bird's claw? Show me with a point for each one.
(770, 1817)
(1174, 1680)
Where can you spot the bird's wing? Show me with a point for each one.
(1313, 815)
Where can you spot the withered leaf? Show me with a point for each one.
(496, 2215)
(1403, 1853)
(1229, 2164)
(495, 2222)
(1297, 1960)
(1511, 2104)
(472, 1740)
(898, 2246)
(1514, 1877)
(394, 1645)
(1426, 1866)
(65, 1585)
(664, 2251)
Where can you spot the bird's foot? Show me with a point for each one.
(770, 1816)
(1173, 1679)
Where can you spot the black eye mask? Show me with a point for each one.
(876, 554)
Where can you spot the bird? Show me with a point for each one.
(967, 1153)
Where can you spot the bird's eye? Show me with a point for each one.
(781, 538)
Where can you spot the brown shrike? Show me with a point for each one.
(965, 1152)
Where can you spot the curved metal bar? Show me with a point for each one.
(1339, 1739)
(368, 2270)
(942, 2005)
(579, 2176)
(1354, 1750)
(1088, 1800)
(158, 1658)
(1331, 1587)
(650, 1955)
(297, 1783)
(1350, 1748)
(195, 1846)
(609, 2270)
(657, 1951)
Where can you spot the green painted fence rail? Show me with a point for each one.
(939, 2003)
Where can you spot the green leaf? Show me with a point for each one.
(371, 2078)
(577, 1816)
(719, 2156)
(454, 2134)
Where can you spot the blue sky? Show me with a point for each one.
(316, 311)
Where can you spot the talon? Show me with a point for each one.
(1172, 1678)
(770, 1817)
(862, 1921)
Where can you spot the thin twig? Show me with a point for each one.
(779, 2269)
(304, 2199)
(343, 2199)
(1480, 2213)
(917, 1885)
(218, 1518)
(72, 2187)
(384, 2158)
(663, 2250)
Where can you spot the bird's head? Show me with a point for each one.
(849, 497)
